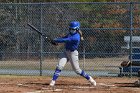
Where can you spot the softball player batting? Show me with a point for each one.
(71, 40)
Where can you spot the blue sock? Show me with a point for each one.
(56, 74)
(85, 75)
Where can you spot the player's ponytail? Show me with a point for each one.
(81, 35)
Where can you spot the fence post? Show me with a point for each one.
(131, 34)
(84, 55)
(41, 41)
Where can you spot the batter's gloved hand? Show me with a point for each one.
(54, 43)
(50, 40)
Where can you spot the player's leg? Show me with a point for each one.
(60, 66)
(74, 60)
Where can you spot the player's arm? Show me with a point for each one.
(62, 40)
(65, 39)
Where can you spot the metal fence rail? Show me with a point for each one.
(104, 25)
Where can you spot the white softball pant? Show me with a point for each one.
(71, 57)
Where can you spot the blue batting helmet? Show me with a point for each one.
(74, 25)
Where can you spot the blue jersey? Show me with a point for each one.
(71, 41)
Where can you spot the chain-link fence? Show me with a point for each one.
(104, 26)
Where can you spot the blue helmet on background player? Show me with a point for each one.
(74, 25)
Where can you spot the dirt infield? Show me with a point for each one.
(40, 84)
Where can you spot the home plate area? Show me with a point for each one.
(86, 88)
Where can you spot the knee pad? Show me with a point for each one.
(60, 67)
(78, 71)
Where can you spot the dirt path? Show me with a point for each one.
(40, 84)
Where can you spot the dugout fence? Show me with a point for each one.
(104, 26)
